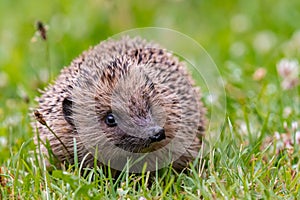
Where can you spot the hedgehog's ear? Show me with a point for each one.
(67, 110)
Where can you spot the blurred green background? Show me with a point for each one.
(239, 35)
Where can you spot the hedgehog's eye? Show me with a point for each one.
(110, 120)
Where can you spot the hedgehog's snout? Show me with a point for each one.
(157, 134)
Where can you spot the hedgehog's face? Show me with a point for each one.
(133, 126)
(129, 114)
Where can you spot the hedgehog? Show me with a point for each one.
(124, 99)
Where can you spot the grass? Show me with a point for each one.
(257, 154)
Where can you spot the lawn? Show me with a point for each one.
(256, 48)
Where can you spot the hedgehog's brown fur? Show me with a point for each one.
(92, 85)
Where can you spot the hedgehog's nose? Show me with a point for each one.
(157, 134)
